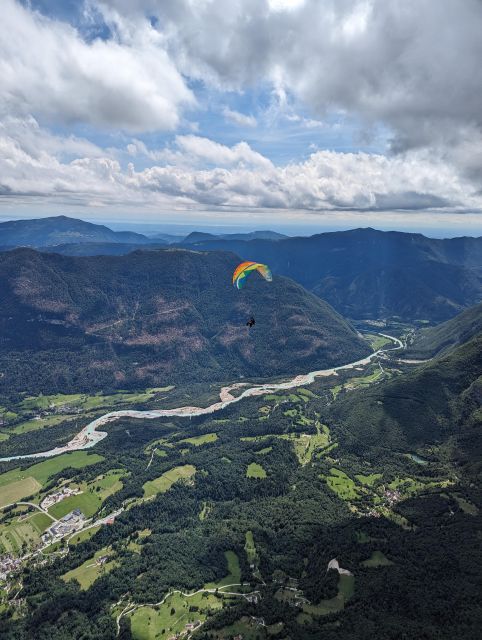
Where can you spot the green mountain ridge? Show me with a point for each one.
(437, 401)
(61, 230)
(430, 341)
(156, 317)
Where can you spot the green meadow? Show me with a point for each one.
(164, 483)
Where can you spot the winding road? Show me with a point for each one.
(88, 437)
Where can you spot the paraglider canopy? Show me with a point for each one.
(243, 270)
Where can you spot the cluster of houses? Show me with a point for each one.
(57, 496)
(392, 496)
(68, 524)
(188, 629)
(8, 564)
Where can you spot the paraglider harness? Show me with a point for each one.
(251, 322)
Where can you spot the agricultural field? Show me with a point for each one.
(94, 493)
(20, 483)
(44, 411)
(22, 531)
(200, 440)
(368, 480)
(177, 610)
(376, 341)
(88, 572)
(165, 482)
(255, 470)
(342, 484)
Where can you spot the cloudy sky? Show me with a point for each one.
(258, 113)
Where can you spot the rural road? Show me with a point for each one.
(89, 436)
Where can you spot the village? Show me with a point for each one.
(57, 496)
(70, 523)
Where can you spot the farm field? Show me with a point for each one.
(69, 406)
(20, 483)
(93, 494)
(22, 532)
(177, 610)
(342, 484)
(200, 440)
(165, 482)
(88, 572)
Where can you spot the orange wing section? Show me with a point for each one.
(240, 268)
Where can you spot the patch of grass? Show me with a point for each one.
(165, 482)
(377, 559)
(82, 536)
(158, 623)
(368, 480)
(41, 423)
(23, 532)
(346, 588)
(18, 489)
(234, 572)
(255, 470)
(245, 627)
(302, 391)
(465, 505)
(342, 484)
(263, 452)
(205, 511)
(93, 495)
(376, 342)
(199, 440)
(250, 548)
(88, 572)
(336, 390)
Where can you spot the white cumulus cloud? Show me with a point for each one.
(48, 70)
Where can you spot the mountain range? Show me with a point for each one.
(362, 273)
(61, 230)
(154, 317)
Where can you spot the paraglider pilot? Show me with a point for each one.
(251, 322)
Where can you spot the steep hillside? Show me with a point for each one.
(437, 401)
(365, 273)
(156, 316)
(430, 341)
(60, 230)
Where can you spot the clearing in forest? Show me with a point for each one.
(255, 470)
(165, 482)
(88, 572)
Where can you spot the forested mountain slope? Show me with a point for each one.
(430, 341)
(437, 401)
(59, 230)
(156, 316)
(366, 273)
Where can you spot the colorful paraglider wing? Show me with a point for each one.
(243, 270)
(265, 271)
